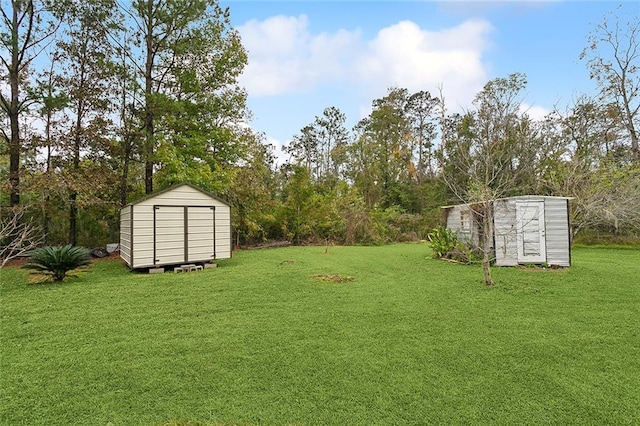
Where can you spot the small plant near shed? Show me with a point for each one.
(538, 266)
(443, 242)
(58, 261)
(445, 245)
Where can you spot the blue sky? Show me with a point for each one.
(305, 56)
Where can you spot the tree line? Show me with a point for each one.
(106, 102)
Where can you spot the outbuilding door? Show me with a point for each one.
(530, 229)
(184, 234)
(201, 233)
(169, 234)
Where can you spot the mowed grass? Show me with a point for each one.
(410, 340)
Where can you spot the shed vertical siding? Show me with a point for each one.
(505, 238)
(557, 231)
(223, 233)
(143, 236)
(125, 234)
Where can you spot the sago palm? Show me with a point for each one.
(58, 260)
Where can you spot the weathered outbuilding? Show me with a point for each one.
(182, 224)
(526, 229)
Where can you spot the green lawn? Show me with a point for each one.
(410, 340)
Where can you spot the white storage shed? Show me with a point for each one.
(527, 229)
(181, 224)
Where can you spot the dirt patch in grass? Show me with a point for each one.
(332, 278)
(36, 278)
(17, 262)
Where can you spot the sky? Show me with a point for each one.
(305, 55)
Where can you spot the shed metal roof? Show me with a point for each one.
(515, 197)
(171, 188)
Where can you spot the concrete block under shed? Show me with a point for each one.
(156, 270)
(210, 265)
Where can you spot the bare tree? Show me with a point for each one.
(17, 236)
(485, 148)
(581, 152)
(613, 58)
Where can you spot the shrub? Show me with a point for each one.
(467, 253)
(444, 242)
(445, 245)
(58, 260)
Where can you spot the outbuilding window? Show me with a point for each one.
(465, 221)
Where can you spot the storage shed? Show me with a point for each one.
(182, 224)
(527, 229)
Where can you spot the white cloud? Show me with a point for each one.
(408, 56)
(281, 157)
(534, 112)
(285, 57)
(278, 36)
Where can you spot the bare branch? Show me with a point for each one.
(17, 237)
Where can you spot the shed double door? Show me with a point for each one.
(530, 229)
(183, 234)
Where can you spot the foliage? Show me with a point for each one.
(393, 224)
(58, 261)
(299, 212)
(421, 111)
(25, 28)
(356, 225)
(610, 201)
(86, 74)
(604, 239)
(252, 195)
(107, 101)
(383, 154)
(443, 242)
(321, 146)
(189, 63)
(399, 335)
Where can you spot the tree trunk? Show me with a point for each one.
(486, 268)
(47, 198)
(13, 111)
(635, 150)
(73, 218)
(486, 237)
(148, 89)
(124, 179)
(14, 147)
(77, 143)
(73, 196)
(127, 142)
(420, 154)
(148, 176)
